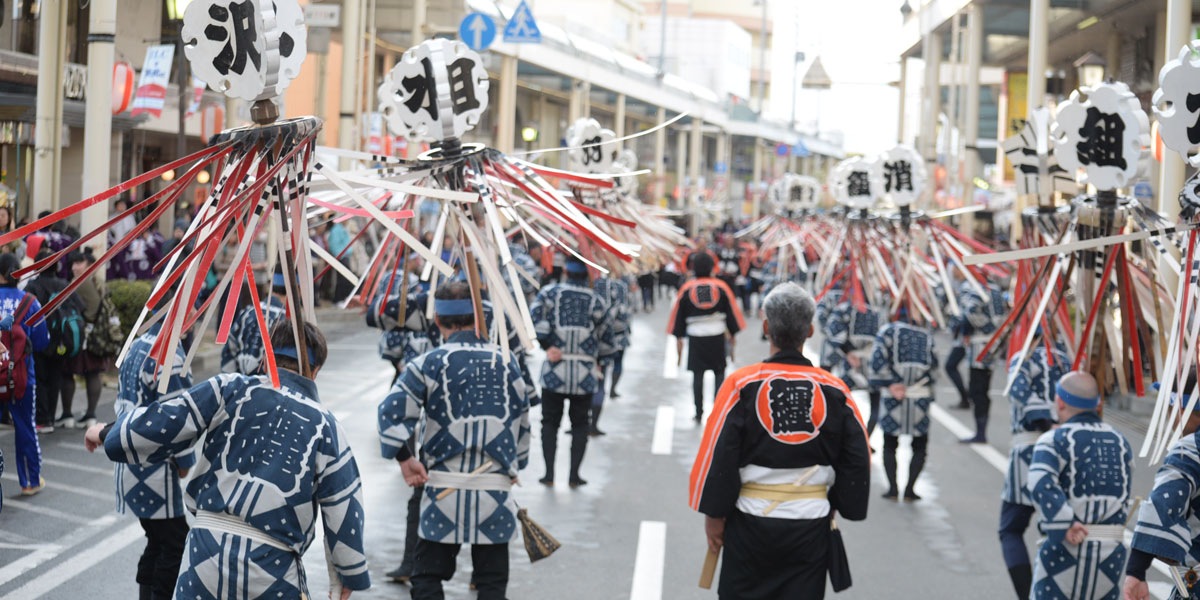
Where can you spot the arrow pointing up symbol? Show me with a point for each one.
(477, 27)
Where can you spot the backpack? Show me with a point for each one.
(104, 337)
(66, 328)
(14, 375)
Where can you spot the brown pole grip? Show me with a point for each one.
(709, 570)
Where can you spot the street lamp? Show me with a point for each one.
(176, 8)
(1090, 68)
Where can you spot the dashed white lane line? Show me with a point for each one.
(648, 563)
(54, 485)
(31, 506)
(65, 571)
(32, 560)
(664, 430)
(960, 431)
(77, 467)
(993, 456)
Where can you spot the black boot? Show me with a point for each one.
(980, 432)
(915, 466)
(1022, 580)
(889, 467)
(594, 429)
(549, 449)
(145, 592)
(578, 447)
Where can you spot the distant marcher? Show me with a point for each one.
(707, 315)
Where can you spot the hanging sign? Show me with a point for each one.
(152, 85)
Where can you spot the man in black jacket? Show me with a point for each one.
(52, 365)
(784, 449)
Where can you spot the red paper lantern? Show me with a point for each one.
(122, 87)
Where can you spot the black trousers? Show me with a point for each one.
(891, 443)
(553, 404)
(411, 526)
(698, 387)
(955, 358)
(977, 390)
(54, 380)
(159, 565)
(774, 559)
(435, 563)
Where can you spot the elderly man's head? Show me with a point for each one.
(1076, 392)
(789, 311)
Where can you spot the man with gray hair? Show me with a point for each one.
(1080, 481)
(784, 449)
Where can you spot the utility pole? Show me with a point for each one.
(97, 129)
(762, 62)
(47, 133)
(349, 87)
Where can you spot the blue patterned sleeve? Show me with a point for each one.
(540, 312)
(339, 494)
(401, 409)
(1048, 495)
(166, 428)
(603, 316)
(1162, 526)
(880, 369)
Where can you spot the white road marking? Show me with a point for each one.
(671, 360)
(993, 456)
(648, 563)
(958, 430)
(31, 561)
(65, 571)
(70, 465)
(44, 510)
(54, 485)
(78, 445)
(664, 429)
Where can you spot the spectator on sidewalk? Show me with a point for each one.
(102, 339)
(29, 453)
(53, 364)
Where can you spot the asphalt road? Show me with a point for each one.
(627, 534)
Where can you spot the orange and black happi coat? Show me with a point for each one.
(782, 414)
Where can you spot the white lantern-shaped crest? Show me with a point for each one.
(852, 181)
(899, 174)
(626, 162)
(1101, 132)
(437, 91)
(590, 147)
(248, 49)
(1177, 103)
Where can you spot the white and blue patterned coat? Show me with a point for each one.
(401, 340)
(903, 353)
(525, 263)
(981, 317)
(616, 293)
(474, 408)
(575, 319)
(848, 330)
(244, 349)
(150, 491)
(1082, 472)
(1031, 411)
(270, 458)
(1168, 524)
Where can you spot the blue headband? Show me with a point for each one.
(576, 267)
(1175, 396)
(452, 308)
(1076, 401)
(290, 352)
(278, 281)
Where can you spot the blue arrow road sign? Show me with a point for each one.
(477, 31)
(521, 28)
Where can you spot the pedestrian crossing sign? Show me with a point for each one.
(521, 28)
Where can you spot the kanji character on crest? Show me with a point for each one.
(859, 183)
(897, 176)
(234, 25)
(1103, 139)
